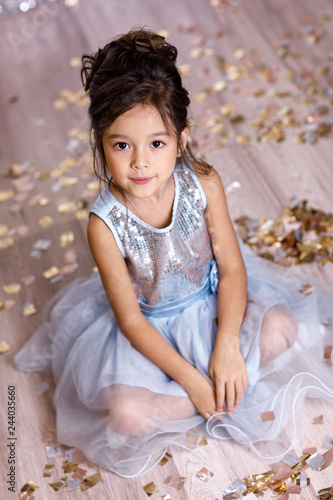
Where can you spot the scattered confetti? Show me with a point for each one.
(69, 466)
(91, 481)
(204, 474)
(51, 272)
(46, 221)
(48, 470)
(12, 288)
(6, 195)
(176, 482)
(40, 389)
(318, 420)
(165, 459)
(29, 487)
(66, 239)
(267, 416)
(316, 462)
(53, 451)
(328, 442)
(4, 347)
(56, 486)
(29, 309)
(73, 484)
(300, 235)
(149, 488)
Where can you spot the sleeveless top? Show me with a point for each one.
(165, 264)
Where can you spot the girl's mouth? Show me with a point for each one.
(141, 180)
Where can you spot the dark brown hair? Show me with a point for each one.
(136, 68)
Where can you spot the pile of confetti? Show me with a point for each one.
(299, 235)
(72, 458)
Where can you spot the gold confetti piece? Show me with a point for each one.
(166, 497)
(66, 239)
(149, 488)
(318, 420)
(29, 309)
(69, 466)
(239, 53)
(43, 201)
(60, 104)
(75, 62)
(46, 221)
(29, 487)
(66, 208)
(325, 494)
(192, 438)
(6, 243)
(4, 347)
(200, 96)
(184, 69)
(51, 272)
(91, 481)
(267, 416)
(220, 86)
(70, 3)
(93, 186)
(81, 215)
(6, 195)
(163, 34)
(3, 230)
(12, 288)
(203, 441)
(67, 181)
(48, 470)
(56, 486)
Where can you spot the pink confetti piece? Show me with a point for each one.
(176, 482)
(204, 474)
(267, 416)
(8, 304)
(28, 280)
(71, 256)
(310, 448)
(318, 420)
(328, 457)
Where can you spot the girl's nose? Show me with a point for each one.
(139, 160)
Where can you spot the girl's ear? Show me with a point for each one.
(183, 141)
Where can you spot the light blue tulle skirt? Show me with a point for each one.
(79, 341)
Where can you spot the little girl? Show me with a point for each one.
(182, 331)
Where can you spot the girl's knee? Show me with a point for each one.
(126, 418)
(278, 332)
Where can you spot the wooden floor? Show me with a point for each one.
(35, 52)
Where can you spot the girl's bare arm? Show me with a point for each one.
(227, 368)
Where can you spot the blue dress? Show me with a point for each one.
(175, 278)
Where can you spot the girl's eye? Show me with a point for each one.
(121, 145)
(157, 144)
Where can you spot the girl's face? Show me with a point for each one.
(140, 152)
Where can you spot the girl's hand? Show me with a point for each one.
(227, 371)
(202, 394)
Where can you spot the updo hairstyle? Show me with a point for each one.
(136, 68)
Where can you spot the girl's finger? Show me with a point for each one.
(239, 386)
(230, 397)
(220, 395)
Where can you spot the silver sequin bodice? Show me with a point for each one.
(163, 264)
